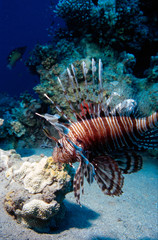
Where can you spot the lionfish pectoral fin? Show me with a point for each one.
(129, 162)
(89, 172)
(85, 169)
(78, 183)
(108, 175)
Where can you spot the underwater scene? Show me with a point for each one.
(79, 120)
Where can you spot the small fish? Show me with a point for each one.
(15, 55)
(95, 2)
(106, 142)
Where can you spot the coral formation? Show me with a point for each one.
(152, 72)
(117, 74)
(118, 23)
(17, 128)
(41, 55)
(6, 103)
(25, 112)
(36, 190)
(19, 120)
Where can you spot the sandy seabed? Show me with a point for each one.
(133, 215)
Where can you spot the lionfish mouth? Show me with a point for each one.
(106, 141)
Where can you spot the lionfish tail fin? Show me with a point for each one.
(108, 175)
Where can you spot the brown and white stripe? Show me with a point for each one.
(113, 132)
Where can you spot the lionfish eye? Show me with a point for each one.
(59, 145)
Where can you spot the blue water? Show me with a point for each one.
(22, 23)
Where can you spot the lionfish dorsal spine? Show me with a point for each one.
(100, 80)
(84, 71)
(94, 69)
(76, 81)
(73, 86)
(68, 100)
(58, 108)
(79, 102)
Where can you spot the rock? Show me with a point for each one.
(8, 158)
(36, 190)
(38, 214)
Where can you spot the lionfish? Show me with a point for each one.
(106, 142)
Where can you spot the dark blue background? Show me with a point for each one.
(22, 23)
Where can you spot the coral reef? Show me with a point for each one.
(36, 189)
(117, 76)
(44, 55)
(17, 128)
(25, 112)
(152, 72)
(117, 23)
(19, 120)
(6, 103)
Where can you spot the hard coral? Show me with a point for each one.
(17, 128)
(118, 23)
(41, 55)
(20, 122)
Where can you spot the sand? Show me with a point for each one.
(133, 215)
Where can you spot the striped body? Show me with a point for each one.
(106, 134)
